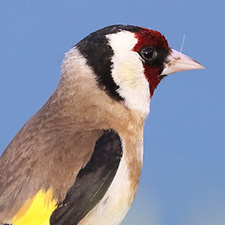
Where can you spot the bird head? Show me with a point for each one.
(129, 62)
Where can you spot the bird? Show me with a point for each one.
(78, 160)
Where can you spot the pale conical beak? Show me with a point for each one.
(179, 62)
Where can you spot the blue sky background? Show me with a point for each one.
(183, 179)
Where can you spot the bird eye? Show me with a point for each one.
(147, 53)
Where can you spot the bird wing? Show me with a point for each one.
(87, 189)
(91, 182)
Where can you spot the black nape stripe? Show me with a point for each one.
(92, 181)
(98, 53)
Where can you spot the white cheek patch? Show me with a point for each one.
(128, 72)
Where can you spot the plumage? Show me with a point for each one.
(78, 160)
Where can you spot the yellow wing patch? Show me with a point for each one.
(36, 211)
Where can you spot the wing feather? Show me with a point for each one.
(92, 181)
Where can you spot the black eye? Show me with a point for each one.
(147, 53)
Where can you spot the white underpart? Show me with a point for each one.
(128, 71)
(116, 202)
(113, 206)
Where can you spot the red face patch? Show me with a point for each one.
(155, 39)
(150, 37)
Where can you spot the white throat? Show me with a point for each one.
(128, 72)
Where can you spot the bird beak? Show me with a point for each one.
(179, 62)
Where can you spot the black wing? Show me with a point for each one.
(92, 181)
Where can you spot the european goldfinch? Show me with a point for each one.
(78, 160)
